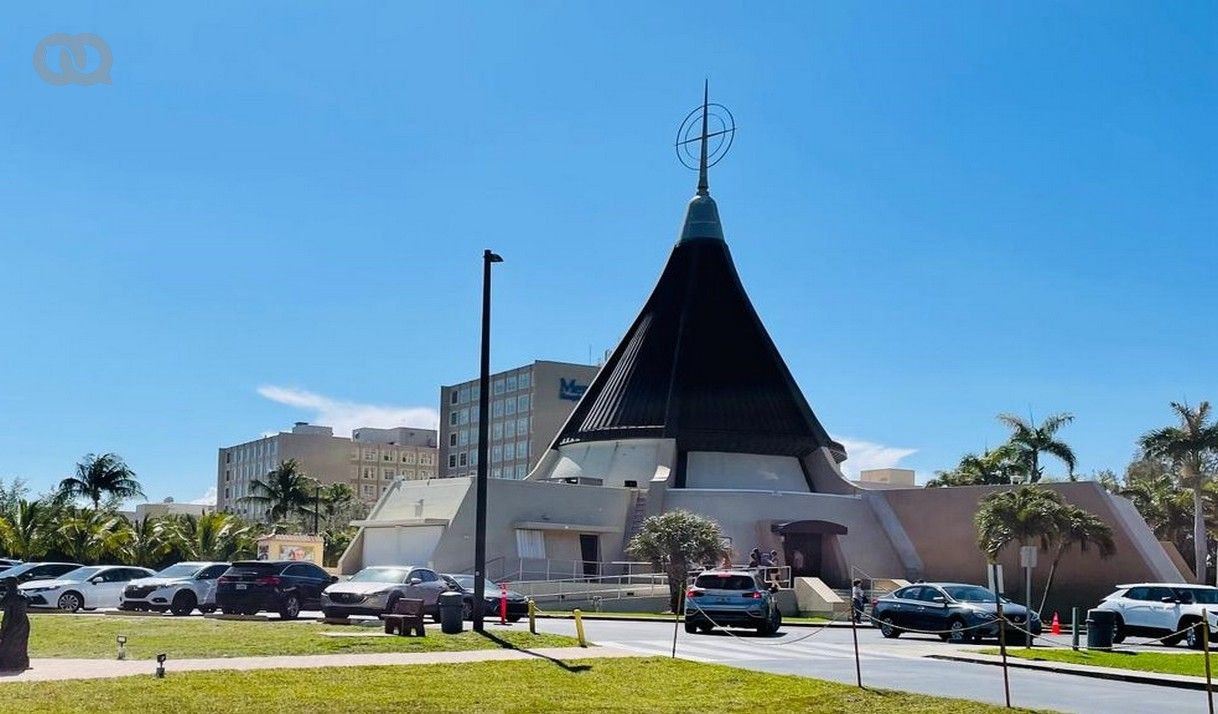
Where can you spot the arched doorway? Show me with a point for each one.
(810, 548)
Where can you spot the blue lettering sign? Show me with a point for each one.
(570, 389)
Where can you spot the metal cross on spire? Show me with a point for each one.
(709, 150)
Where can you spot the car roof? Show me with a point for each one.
(1192, 586)
(725, 573)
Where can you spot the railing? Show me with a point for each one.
(608, 587)
(780, 574)
(555, 569)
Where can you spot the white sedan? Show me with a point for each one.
(90, 587)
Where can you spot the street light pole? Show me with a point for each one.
(484, 420)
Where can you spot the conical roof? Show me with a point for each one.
(697, 365)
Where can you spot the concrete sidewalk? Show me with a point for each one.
(48, 670)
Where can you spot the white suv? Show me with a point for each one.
(179, 589)
(1163, 610)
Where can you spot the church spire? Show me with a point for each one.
(703, 184)
(702, 215)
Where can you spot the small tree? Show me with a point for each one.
(674, 541)
(1024, 516)
(98, 477)
(1076, 525)
(1030, 440)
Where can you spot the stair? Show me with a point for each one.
(637, 516)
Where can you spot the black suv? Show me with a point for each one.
(282, 586)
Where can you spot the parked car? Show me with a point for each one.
(957, 612)
(1163, 610)
(376, 589)
(282, 586)
(86, 588)
(731, 598)
(517, 604)
(179, 589)
(6, 563)
(25, 572)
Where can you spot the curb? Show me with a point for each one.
(1177, 681)
(668, 621)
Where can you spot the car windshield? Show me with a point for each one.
(380, 575)
(181, 570)
(725, 581)
(80, 574)
(969, 593)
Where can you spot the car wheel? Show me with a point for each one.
(290, 608)
(1118, 630)
(958, 635)
(888, 628)
(71, 601)
(207, 609)
(183, 603)
(1192, 636)
(691, 627)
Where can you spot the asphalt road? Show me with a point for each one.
(889, 664)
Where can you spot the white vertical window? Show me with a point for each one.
(530, 544)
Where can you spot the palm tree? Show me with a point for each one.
(1188, 447)
(285, 490)
(1149, 485)
(211, 536)
(144, 542)
(996, 467)
(1024, 516)
(100, 476)
(1030, 441)
(28, 531)
(1084, 528)
(88, 536)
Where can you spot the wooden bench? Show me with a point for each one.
(407, 617)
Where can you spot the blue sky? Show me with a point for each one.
(276, 211)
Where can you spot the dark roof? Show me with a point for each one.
(697, 365)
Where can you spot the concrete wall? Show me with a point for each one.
(706, 469)
(614, 462)
(939, 521)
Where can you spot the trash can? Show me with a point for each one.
(450, 613)
(1100, 626)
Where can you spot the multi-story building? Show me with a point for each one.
(368, 461)
(527, 406)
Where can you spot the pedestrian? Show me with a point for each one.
(858, 599)
(754, 557)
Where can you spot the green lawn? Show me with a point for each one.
(94, 637)
(594, 685)
(1165, 662)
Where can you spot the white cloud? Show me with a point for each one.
(347, 416)
(864, 455)
(207, 499)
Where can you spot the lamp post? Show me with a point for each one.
(484, 389)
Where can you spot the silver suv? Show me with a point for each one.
(178, 589)
(1165, 610)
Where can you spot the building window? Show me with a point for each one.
(368, 490)
(524, 380)
(522, 449)
(465, 392)
(407, 473)
(369, 472)
(496, 472)
(496, 453)
(475, 392)
(228, 475)
(228, 495)
(510, 384)
(497, 431)
(408, 457)
(464, 419)
(452, 439)
(388, 474)
(387, 456)
(509, 428)
(530, 544)
(509, 407)
(497, 409)
(425, 460)
(463, 459)
(473, 458)
(452, 418)
(452, 461)
(522, 403)
(369, 454)
(228, 457)
(473, 414)
(464, 440)
(522, 426)
(498, 388)
(509, 451)
(454, 396)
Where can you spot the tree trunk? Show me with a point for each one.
(1035, 475)
(676, 584)
(1049, 583)
(1199, 540)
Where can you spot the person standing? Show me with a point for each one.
(858, 600)
(15, 629)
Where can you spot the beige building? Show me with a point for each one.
(886, 478)
(368, 461)
(528, 404)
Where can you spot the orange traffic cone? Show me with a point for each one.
(1056, 627)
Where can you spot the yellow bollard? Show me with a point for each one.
(532, 616)
(579, 627)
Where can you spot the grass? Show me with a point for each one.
(94, 637)
(1167, 663)
(593, 685)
